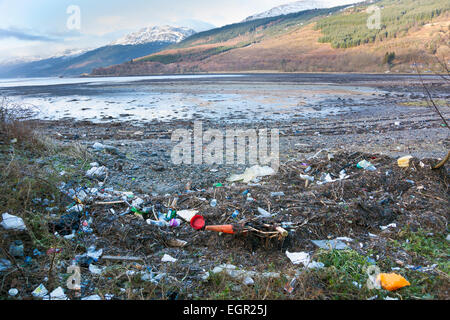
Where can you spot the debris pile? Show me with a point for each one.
(339, 202)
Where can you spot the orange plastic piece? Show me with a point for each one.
(392, 281)
(226, 228)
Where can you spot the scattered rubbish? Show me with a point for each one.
(299, 257)
(168, 258)
(177, 243)
(251, 174)
(93, 297)
(97, 172)
(330, 244)
(67, 224)
(94, 254)
(197, 222)
(213, 203)
(306, 177)
(344, 239)
(13, 292)
(248, 281)
(226, 228)
(53, 251)
(392, 225)
(277, 194)
(366, 165)
(5, 265)
(58, 294)
(392, 281)
(175, 223)
(75, 209)
(16, 249)
(40, 291)
(187, 215)
(235, 214)
(403, 162)
(263, 213)
(11, 222)
(95, 269)
(158, 223)
(290, 286)
(122, 258)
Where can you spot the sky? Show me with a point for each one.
(31, 29)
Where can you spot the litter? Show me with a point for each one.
(177, 243)
(16, 249)
(251, 174)
(94, 254)
(248, 281)
(403, 162)
(330, 244)
(290, 286)
(159, 223)
(40, 291)
(58, 294)
(122, 258)
(174, 223)
(277, 194)
(392, 281)
(197, 222)
(11, 222)
(13, 292)
(299, 257)
(187, 215)
(97, 172)
(5, 265)
(93, 297)
(392, 225)
(306, 177)
(366, 165)
(168, 258)
(263, 213)
(95, 269)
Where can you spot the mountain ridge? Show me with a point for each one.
(134, 45)
(298, 6)
(318, 40)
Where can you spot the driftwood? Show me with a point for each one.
(441, 164)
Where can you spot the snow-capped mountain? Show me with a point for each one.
(300, 6)
(155, 34)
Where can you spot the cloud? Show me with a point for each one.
(23, 35)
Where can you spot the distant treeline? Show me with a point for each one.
(397, 17)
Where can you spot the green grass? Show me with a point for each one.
(425, 248)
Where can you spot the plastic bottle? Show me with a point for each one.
(157, 223)
(171, 214)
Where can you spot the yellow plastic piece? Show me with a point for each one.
(403, 162)
(392, 281)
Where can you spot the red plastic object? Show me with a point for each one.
(197, 222)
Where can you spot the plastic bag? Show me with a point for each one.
(392, 281)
